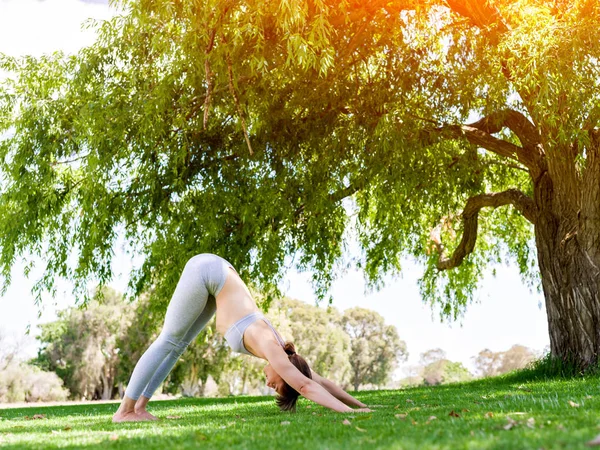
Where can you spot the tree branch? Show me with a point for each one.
(479, 133)
(487, 141)
(514, 121)
(470, 216)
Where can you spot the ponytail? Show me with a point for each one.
(289, 396)
(289, 348)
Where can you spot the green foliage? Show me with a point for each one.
(239, 128)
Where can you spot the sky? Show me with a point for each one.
(505, 312)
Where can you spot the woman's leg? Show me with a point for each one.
(184, 318)
(167, 365)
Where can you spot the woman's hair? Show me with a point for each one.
(288, 397)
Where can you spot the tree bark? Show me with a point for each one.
(570, 280)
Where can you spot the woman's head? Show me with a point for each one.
(287, 396)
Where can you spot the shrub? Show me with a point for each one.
(24, 383)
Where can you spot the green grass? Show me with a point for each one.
(539, 412)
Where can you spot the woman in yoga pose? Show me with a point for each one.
(207, 285)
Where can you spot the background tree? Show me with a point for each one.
(438, 369)
(22, 382)
(448, 123)
(9, 350)
(81, 346)
(431, 356)
(375, 347)
(141, 329)
(208, 355)
(489, 363)
(319, 337)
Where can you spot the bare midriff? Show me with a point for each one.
(233, 302)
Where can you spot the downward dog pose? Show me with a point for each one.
(207, 285)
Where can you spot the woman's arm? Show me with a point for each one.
(302, 384)
(337, 391)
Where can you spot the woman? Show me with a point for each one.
(207, 285)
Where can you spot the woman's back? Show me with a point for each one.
(234, 302)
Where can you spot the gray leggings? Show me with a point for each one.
(191, 307)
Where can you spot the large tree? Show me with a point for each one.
(240, 127)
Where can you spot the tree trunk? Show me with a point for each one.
(570, 279)
(107, 387)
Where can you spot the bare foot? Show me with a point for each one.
(131, 416)
(146, 415)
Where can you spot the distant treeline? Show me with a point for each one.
(90, 352)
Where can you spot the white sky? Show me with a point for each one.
(507, 313)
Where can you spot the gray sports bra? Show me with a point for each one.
(235, 334)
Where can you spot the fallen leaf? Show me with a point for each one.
(397, 406)
(314, 413)
(67, 428)
(531, 422)
(588, 397)
(488, 415)
(511, 423)
(200, 436)
(35, 417)
(408, 400)
(173, 417)
(114, 437)
(401, 416)
(364, 417)
(414, 422)
(594, 442)
(465, 410)
(308, 406)
(362, 430)
(285, 422)
(454, 414)
(573, 404)
(346, 422)
(431, 418)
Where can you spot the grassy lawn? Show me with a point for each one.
(501, 413)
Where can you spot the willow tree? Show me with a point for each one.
(461, 133)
